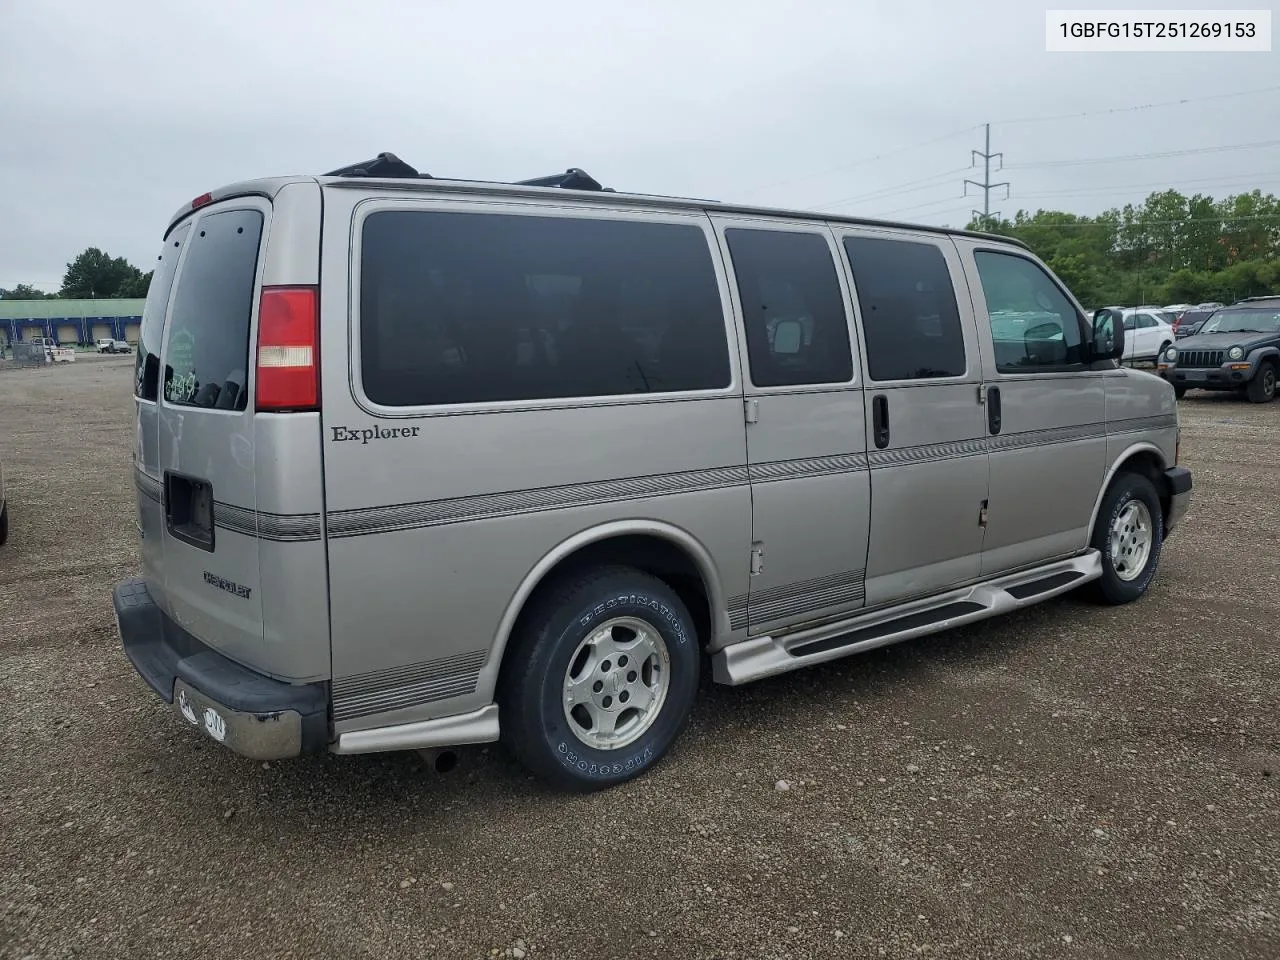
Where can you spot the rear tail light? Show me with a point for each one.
(288, 350)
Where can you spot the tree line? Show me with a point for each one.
(1171, 248)
(93, 275)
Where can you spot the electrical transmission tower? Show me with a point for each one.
(986, 186)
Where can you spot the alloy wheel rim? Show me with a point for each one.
(616, 683)
(1131, 540)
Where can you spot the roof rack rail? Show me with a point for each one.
(572, 179)
(383, 165)
(390, 166)
(1274, 296)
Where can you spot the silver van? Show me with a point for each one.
(423, 463)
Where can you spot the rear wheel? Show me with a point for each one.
(601, 680)
(1129, 533)
(1262, 388)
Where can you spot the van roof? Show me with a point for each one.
(388, 172)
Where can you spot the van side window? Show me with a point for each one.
(909, 315)
(797, 330)
(1033, 324)
(146, 370)
(474, 307)
(206, 357)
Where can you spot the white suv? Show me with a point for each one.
(1147, 334)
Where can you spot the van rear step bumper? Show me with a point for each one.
(249, 713)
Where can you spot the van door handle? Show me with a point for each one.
(993, 409)
(880, 420)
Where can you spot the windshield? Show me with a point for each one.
(1244, 320)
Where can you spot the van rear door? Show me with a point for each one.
(146, 379)
(205, 432)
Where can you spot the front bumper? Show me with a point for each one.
(1229, 376)
(251, 714)
(1178, 486)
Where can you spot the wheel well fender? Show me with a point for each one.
(666, 551)
(1144, 458)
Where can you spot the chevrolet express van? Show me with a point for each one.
(426, 462)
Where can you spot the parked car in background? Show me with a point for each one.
(54, 353)
(1211, 305)
(1236, 348)
(1146, 334)
(108, 345)
(1191, 321)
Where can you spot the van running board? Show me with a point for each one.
(762, 657)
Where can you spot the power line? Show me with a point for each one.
(1016, 120)
(918, 206)
(1146, 156)
(1142, 224)
(898, 189)
(1069, 194)
(1266, 177)
(859, 163)
(967, 208)
(1141, 106)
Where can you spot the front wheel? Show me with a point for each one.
(1262, 388)
(1179, 391)
(601, 679)
(4, 525)
(1129, 534)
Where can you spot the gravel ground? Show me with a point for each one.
(1066, 781)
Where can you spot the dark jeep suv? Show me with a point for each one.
(1237, 348)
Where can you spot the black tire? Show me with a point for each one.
(1179, 391)
(4, 525)
(1262, 388)
(534, 723)
(1126, 488)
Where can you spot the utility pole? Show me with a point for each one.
(986, 186)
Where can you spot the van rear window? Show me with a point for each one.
(206, 359)
(146, 371)
(474, 307)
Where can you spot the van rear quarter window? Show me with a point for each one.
(207, 347)
(909, 313)
(475, 307)
(146, 371)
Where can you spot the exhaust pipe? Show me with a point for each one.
(439, 759)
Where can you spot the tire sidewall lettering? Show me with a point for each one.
(668, 623)
(580, 763)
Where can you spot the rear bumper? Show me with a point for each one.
(1178, 485)
(250, 714)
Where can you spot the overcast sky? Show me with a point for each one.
(114, 114)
